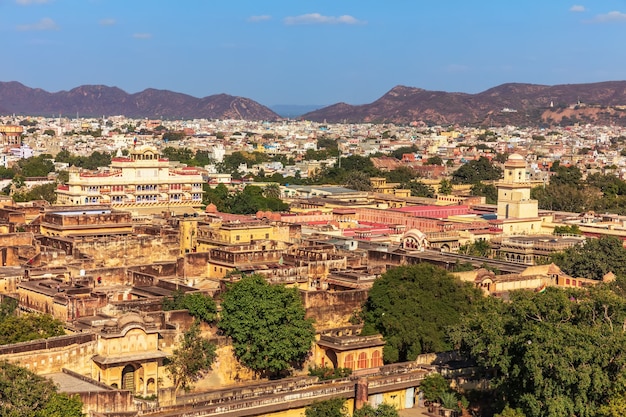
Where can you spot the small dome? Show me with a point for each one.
(211, 208)
(129, 318)
(515, 157)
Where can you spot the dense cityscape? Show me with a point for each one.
(312, 209)
(230, 267)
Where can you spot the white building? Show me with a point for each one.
(141, 182)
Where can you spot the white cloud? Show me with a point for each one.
(614, 16)
(316, 18)
(44, 24)
(260, 18)
(30, 2)
(107, 22)
(577, 8)
(142, 35)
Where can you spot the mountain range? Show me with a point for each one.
(517, 104)
(99, 100)
(601, 103)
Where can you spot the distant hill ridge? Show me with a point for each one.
(518, 104)
(507, 104)
(99, 100)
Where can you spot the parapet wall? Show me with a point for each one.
(54, 354)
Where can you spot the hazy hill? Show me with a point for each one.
(516, 104)
(99, 100)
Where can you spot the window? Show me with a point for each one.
(349, 362)
(376, 359)
(237, 237)
(362, 360)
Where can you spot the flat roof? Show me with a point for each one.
(71, 384)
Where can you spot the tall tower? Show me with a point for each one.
(514, 200)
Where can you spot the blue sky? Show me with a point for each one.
(310, 52)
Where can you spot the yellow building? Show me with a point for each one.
(246, 233)
(128, 355)
(346, 348)
(514, 191)
(141, 182)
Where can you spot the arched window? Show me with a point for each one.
(377, 360)
(349, 362)
(363, 360)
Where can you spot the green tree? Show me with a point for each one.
(382, 410)
(511, 412)
(38, 192)
(419, 189)
(412, 305)
(36, 166)
(566, 176)
(563, 197)
(434, 160)
(445, 187)
(325, 373)
(401, 174)
(475, 171)
(489, 191)
(267, 325)
(272, 191)
(433, 386)
(567, 230)
(49, 132)
(26, 327)
(616, 407)
(192, 360)
(479, 247)
(200, 306)
(25, 394)
(328, 408)
(556, 353)
(357, 180)
(594, 258)
(402, 150)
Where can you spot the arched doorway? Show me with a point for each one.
(150, 388)
(128, 378)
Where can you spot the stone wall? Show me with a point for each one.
(130, 250)
(54, 354)
(332, 308)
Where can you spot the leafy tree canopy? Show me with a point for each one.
(328, 408)
(489, 191)
(382, 410)
(433, 386)
(267, 325)
(475, 171)
(25, 394)
(37, 192)
(419, 189)
(412, 305)
(26, 327)
(594, 258)
(200, 306)
(35, 166)
(192, 360)
(556, 353)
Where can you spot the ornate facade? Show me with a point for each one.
(143, 180)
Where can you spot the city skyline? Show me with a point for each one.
(300, 53)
